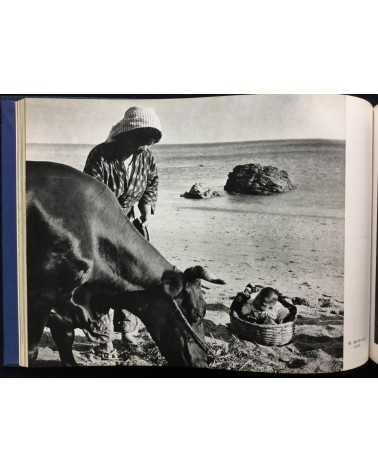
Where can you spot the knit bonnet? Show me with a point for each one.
(136, 118)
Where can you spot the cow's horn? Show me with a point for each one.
(198, 272)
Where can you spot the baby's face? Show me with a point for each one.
(247, 292)
(268, 303)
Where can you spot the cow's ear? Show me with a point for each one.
(173, 283)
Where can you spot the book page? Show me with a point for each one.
(21, 231)
(358, 198)
(374, 265)
(270, 193)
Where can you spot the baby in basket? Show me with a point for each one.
(264, 308)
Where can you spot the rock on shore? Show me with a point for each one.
(255, 179)
(199, 191)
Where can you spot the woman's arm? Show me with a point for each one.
(94, 166)
(148, 201)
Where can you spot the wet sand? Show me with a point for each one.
(299, 255)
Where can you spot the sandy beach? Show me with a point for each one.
(290, 258)
(298, 255)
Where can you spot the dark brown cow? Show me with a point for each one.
(85, 257)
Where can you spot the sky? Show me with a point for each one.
(197, 120)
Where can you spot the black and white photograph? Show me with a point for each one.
(197, 232)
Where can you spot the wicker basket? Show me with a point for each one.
(268, 335)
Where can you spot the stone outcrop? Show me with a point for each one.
(255, 179)
(199, 191)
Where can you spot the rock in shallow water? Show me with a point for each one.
(199, 191)
(255, 179)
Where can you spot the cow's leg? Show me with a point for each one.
(98, 317)
(37, 318)
(63, 335)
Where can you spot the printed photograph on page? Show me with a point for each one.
(196, 232)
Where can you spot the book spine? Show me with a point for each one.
(10, 323)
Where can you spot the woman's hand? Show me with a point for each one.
(145, 213)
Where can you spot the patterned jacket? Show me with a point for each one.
(142, 186)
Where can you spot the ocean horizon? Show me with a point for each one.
(316, 166)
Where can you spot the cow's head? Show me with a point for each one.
(178, 308)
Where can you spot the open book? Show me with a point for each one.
(233, 232)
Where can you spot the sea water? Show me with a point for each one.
(316, 167)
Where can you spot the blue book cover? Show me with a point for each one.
(9, 233)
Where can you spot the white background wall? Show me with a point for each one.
(188, 47)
